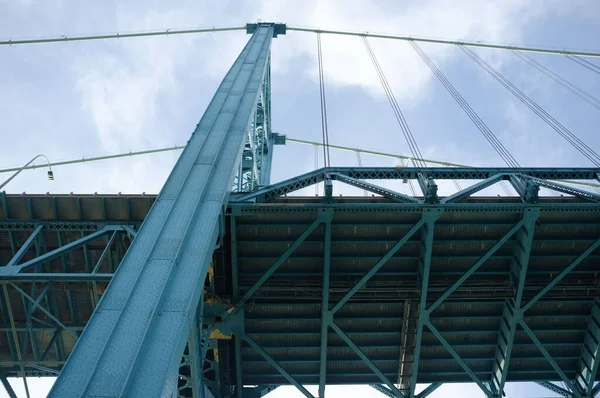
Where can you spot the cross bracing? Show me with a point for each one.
(223, 285)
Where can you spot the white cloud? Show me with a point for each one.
(345, 58)
(120, 86)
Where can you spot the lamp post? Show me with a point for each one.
(50, 173)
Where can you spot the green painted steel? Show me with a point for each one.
(424, 270)
(377, 266)
(141, 325)
(560, 276)
(554, 388)
(512, 312)
(168, 32)
(428, 390)
(475, 266)
(365, 359)
(589, 360)
(268, 358)
(278, 263)
(325, 314)
(458, 359)
(465, 260)
(567, 380)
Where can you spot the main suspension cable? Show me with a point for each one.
(590, 99)
(410, 140)
(564, 132)
(167, 32)
(586, 64)
(477, 121)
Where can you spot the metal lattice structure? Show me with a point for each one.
(202, 292)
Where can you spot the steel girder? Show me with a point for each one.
(526, 181)
(512, 307)
(325, 318)
(141, 325)
(28, 277)
(423, 278)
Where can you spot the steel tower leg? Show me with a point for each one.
(133, 344)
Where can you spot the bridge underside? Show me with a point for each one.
(46, 307)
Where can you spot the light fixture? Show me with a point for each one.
(50, 173)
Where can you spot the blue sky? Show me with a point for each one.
(70, 100)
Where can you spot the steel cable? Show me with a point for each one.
(564, 132)
(590, 99)
(324, 129)
(585, 63)
(410, 140)
(479, 123)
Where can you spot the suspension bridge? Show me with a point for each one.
(228, 285)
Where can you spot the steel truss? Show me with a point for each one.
(35, 275)
(165, 325)
(526, 182)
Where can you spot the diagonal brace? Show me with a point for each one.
(548, 357)
(278, 263)
(60, 251)
(378, 265)
(560, 276)
(476, 266)
(104, 252)
(430, 388)
(19, 255)
(555, 186)
(465, 193)
(45, 311)
(458, 359)
(8, 387)
(554, 388)
(383, 389)
(278, 367)
(386, 193)
(366, 360)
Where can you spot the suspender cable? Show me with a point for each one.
(585, 63)
(316, 168)
(410, 140)
(479, 123)
(505, 188)
(564, 132)
(590, 99)
(359, 160)
(410, 183)
(324, 130)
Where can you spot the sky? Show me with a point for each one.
(72, 100)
